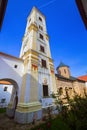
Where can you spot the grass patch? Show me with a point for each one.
(2, 110)
(55, 124)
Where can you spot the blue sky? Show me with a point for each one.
(68, 35)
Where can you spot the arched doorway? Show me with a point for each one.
(14, 96)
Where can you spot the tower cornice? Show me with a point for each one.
(33, 27)
(30, 51)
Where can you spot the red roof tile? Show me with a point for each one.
(84, 78)
(5, 82)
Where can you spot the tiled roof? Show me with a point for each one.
(5, 82)
(84, 78)
(62, 77)
(62, 65)
(71, 78)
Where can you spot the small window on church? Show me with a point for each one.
(43, 63)
(15, 66)
(40, 19)
(41, 36)
(64, 71)
(42, 48)
(60, 91)
(5, 88)
(45, 90)
(3, 100)
(40, 27)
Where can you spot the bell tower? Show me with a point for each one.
(63, 70)
(38, 80)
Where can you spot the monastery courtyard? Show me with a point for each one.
(9, 124)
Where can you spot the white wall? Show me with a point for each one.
(5, 94)
(86, 84)
(8, 70)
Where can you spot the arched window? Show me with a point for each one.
(40, 19)
(60, 90)
(64, 71)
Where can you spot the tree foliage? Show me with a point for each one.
(75, 113)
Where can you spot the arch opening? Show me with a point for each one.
(9, 96)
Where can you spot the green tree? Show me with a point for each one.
(75, 113)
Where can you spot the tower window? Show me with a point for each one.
(40, 19)
(15, 66)
(40, 27)
(42, 48)
(45, 90)
(5, 88)
(41, 36)
(44, 63)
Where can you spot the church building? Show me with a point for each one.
(67, 84)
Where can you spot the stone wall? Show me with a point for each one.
(70, 88)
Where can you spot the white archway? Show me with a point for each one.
(14, 96)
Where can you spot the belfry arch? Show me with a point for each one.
(14, 96)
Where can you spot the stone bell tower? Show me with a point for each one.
(38, 77)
